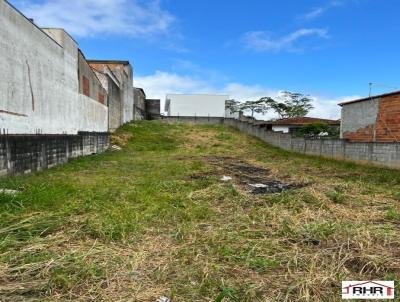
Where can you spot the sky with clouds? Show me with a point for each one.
(328, 49)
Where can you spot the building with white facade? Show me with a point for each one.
(196, 105)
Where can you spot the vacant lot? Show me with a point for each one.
(155, 219)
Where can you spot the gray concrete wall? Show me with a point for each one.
(39, 82)
(139, 104)
(127, 93)
(358, 116)
(195, 120)
(114, 106)
(114, 102)
(22, 154)
(122, 72)
(387, 154)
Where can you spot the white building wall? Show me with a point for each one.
(197, 105)
(229, 114)
(284, 129)
(39, 81)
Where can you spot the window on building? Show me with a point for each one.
(86, 86)
(101, 98)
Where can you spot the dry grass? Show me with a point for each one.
(121, 138)
(155, 220)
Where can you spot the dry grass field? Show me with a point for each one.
(155, 219)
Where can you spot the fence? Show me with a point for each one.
(21, 154)
(387, 154)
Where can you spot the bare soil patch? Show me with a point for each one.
(249, 177)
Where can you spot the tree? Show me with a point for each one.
(232, 105)
(260, 106)
(316, 129)
(292, 105)
(313, 130)
(280, 108)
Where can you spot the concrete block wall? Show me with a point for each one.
(387, 154)
(195, 120)
(22, 154)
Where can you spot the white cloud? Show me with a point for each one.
(161, 83)
(263, 41)
(319, 11)
(85, 18)
(328, 107)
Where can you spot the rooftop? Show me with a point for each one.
(109, 62)
(371, 97)
(299, 121)
(141, 89)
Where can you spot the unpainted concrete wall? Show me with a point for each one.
(359, 120)
(139, 105)
(114, 104)
(22, 154)
(123, 73)
(39, 82)
(194, 120)
(127, 93)
(372, 120)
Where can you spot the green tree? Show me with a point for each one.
(316, 129)
(260, 106)
(313, 129)
(292, 105)
(232, 105)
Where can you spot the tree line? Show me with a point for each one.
(287, 105)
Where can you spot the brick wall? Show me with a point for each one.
(381, 118)
(388, 122)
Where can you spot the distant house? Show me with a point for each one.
(195, 105)
(372, 119)
(123, 72)
(153, 109)
(114, 102)
(290, 125)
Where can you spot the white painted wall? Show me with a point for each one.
(197, 105)
(229, 114)
(284, 129)
(39, 81)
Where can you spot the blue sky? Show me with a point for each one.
(328, 49)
